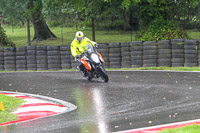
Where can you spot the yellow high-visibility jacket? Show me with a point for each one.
(75, 44)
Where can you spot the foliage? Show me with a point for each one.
(4, 41)
(154, 17)
(13, 12)
(161, 30)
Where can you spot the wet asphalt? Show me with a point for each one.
(131, 99)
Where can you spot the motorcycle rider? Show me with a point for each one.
(78, 46)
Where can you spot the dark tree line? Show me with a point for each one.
(155, 19)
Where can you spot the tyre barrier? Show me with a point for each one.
(31, 58)
(21, 62)
(191, 53)
(9, 59)
(136, 49)
(115, 55)
(150, 56)
(164, 53)
(169, 53)
(103, 50)
(1, 59)
(65, 55)
(126, 55)
(177, 52)
(198, 44)
(74, 63)
(41, 56)
(53, 58)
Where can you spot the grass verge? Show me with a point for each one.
(188, 129)
(10, 104)
(161, 68)
(127, 69)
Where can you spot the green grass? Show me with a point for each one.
(128, 69)
(10, 104)
(188, 129)
(161, 68)
(194, 34)
(19, 36)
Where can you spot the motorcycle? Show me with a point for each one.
(93, 62)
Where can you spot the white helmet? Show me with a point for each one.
(79, 36)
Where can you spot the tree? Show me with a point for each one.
(85, 10)
(42, 31)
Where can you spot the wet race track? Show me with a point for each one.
(131, 99)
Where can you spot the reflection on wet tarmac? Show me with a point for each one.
(90, 102)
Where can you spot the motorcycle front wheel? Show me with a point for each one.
(103, 74)
(90, 76)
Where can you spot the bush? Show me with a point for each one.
(161, 30)
(4, 41)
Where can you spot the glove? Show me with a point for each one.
(78, 56)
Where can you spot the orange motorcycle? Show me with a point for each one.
(93, 62)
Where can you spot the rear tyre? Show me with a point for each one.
(103, 74)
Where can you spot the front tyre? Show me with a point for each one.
(103, 74)
(90, 76)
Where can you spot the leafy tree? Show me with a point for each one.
(123, 8)
(42, 31)
(16, 12)
(13, 11)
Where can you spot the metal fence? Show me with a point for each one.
(169, 53)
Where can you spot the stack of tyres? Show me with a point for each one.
(1, 59)
(150, 54)
(126, 55)
(198, 52)
(65, 57)
(115, 55)
(9, 59)
(103, 50)
(31, 58)
(41, 58)
(53, 57)
(164, 53)
(21, 62)
(74, 63)
(177, 52)
(191, 53)
(136, 48)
